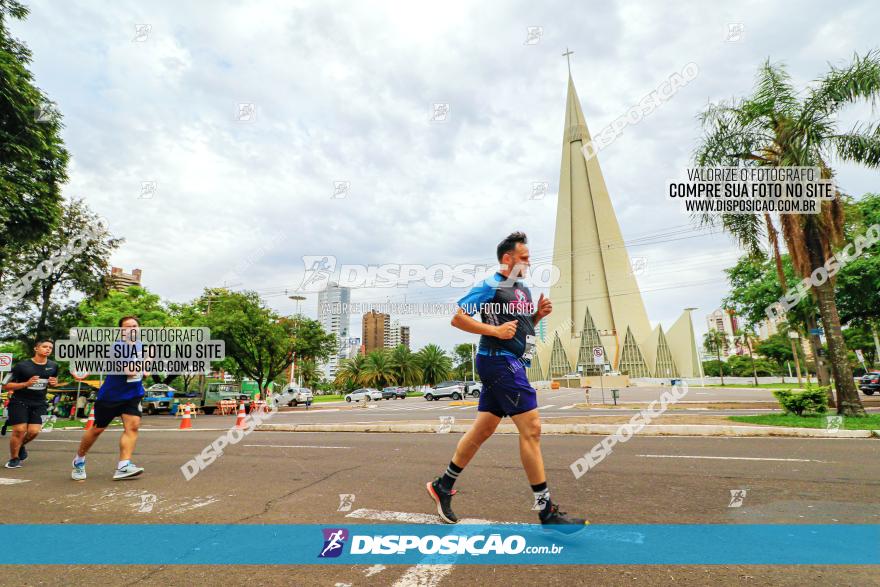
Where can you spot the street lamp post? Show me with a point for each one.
(298, 299)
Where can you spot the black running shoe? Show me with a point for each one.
(443, 499)
(553, 519)
(13, 464)
(22, 453)
(3, 430)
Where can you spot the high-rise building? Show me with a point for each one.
(404, 337)
(397, 335)
(120, 281)
(596, 300)
(724, 321)
(376, 329)
(335, 318)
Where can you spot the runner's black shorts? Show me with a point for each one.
(106, 411)
(24, 413)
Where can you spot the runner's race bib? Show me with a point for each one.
(40, 385)
(530, 347)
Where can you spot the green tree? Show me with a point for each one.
(715, 341)
(73, 258)
(405, 365)
(258, 341)
(349, 372)
(463, 357)
(33, 160)
(378, 370)
(436, 365)
(746, 339)
(778, 127)
(858, 282)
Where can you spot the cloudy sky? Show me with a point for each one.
(344, 92)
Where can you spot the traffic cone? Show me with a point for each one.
(91, 423)
(186, 422)
(239, 421)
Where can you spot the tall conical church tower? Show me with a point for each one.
(596, 301)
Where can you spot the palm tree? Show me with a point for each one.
(378, 371)
(715, 342)
(348, 375)
(436, 365)
(405, 366)
(777, 127)
(747, 338)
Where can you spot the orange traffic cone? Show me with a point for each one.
(186, 422)
(91, 423)
(239, 421)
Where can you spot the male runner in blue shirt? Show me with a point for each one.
(507, 341)
(119, 396)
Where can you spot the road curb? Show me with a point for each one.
(586, 429)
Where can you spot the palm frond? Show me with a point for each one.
(860, 145)
(858, 80)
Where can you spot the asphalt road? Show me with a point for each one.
(276, 477)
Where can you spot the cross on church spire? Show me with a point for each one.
(568, 59)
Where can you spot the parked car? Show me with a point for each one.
(293, 396)
(365, 393)
(451, 389)
(214, 392)
(157, 398)
(393, 393)
(473, 388)
(870, 382)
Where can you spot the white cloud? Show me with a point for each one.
(343, 92)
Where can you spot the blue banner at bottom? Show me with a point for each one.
(508, 544)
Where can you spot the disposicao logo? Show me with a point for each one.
(334, 541)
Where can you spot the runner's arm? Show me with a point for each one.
(464, 322)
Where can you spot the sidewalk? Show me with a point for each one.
(675, 425)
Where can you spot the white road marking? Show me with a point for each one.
(467, 407)
(295, 446)
(8, 481)
(423, 576)
(449, 408)
(568, 407)
(546, 407)
(370, 571)
(730, 458)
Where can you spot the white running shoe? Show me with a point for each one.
(79, 472)
(129, 470)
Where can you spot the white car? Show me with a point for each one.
(293, 396)
(365, 393)
(451, 389)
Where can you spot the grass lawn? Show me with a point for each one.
(871, 422)
(66, 423)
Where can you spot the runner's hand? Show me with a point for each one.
(33, 380)
(53, 381)
(506, 331)
(544, 307)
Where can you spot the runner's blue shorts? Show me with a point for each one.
(506, 389)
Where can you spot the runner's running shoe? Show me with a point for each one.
(553, 519)
(443, 499)
(129, 470)
(22, 453)
(13, 464)
(79, 471)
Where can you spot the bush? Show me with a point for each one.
(813, 400)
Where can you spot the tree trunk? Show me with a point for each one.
(780, 274)
(876, 343)
(754, 371)
(720, 367)
(822, 373)
(848, 402)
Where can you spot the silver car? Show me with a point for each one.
(365, 393)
